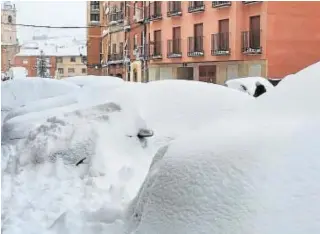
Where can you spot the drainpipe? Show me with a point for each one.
(145, 62)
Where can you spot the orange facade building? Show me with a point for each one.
(216, 41)
(210, 41)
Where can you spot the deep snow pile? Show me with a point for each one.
(41, 181)
(18, 92)
(84, 81)
(42, 146)
(174, 107)
(248, 84)
(255, 172)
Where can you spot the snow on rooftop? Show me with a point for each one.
(64, 46)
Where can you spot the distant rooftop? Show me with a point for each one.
(60, 46)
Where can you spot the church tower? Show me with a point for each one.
(9, 41)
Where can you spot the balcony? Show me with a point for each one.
(155, 11)
(220, 4)
(94, 7)
(156, 50)
(115, 17)
(220, 44)
(141, 52)
(174, 48)
(115, 58)
(174, 9)
(138, 15)
(249, 2)
(196, 6)
(195, 46)
(250, 42)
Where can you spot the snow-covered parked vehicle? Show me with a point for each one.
(254, 172)
(249, 84)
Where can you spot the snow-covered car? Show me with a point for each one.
(248, 84)
(50, 140)
(91, 81)
(18, 73)
(254, 172)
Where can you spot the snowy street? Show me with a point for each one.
(100, 155)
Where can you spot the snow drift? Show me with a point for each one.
(84, 81)
(19, 92)
(251, 173)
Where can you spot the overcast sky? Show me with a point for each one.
(54, 13)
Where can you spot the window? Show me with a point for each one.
(83, 70)
(94, 5)
(70, 70)
(94, 17)
(25, 61)
(224, 26)
(73, 59)
(141, 38)
(157, 42)
(157, 8)
(59, 59)
(135, 41)
(254, 34)
(114, 48)
(176, 34)
(198, 37)
(121, 48)
(9, 19)
(60, 70)
(157, 36)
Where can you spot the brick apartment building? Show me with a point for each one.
(95, 14)
(209, 41)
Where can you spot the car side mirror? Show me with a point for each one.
(145, 133)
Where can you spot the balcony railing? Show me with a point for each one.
(174, 48)
(249, 2)
(220, 44)
(250, 42)
(156, 50)
(174, 8)
(195, 46)
(196, 6)
(141, 52)
(155, 11)
(115, 57)
(116, 17)
(94, 7)
(218, 4)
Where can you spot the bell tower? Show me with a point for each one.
(9, 42)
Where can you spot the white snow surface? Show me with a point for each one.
(18, 72)
(90, 80)
(227, 163)
(15, 93)
(249, 83)
(255, 172)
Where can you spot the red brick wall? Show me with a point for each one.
(32, 63)
(93, 50)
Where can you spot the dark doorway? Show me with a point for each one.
(119, 75)
(207, 74)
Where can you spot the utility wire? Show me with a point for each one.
(61, 27)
